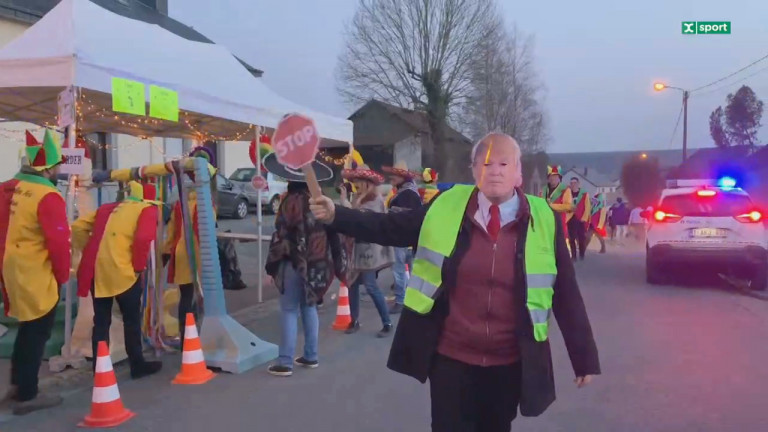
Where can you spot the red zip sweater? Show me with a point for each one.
(480, 328)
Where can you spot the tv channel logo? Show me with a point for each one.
(706, 27)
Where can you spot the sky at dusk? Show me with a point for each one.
(597, 58)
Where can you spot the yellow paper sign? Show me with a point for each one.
(128, 97)
(163, 103)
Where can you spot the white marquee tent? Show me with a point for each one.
(81, 44)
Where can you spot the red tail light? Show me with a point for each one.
(662, 216)
(705, 193)
(751, 217)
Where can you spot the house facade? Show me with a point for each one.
(385, 134)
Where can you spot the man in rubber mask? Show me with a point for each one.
(491, 267)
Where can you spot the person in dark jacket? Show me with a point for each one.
(477, 329)
(619, 214)
(406, 197)
(304, 256)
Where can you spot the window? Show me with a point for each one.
(97, 147)
(243, 174)
(720, 205)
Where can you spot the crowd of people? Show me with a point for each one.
(587, 217)
(475, 307)
(36, 244)
(479, 270)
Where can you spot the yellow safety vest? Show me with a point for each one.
(437, 241)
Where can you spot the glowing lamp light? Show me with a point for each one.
(727, 182)
(705, 193)
(659, 215)
(659, 86)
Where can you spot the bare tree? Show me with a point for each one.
(416, 54)
(505, 91)
(716, 129)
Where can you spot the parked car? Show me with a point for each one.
(270, 197)
(232, 200)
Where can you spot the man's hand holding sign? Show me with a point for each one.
(296, 143)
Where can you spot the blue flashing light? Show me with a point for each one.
(726, 183)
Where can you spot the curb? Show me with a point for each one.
(70, 380)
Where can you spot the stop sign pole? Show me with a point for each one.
(259, 221)
(314, 185)
(296, 143)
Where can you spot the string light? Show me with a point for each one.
(138, 122)
(85, 108)
(335, 161)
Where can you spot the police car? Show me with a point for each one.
(706, 223)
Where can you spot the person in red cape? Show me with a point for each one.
(598, 220)
(116, 240)
(578, 223)
(175, 253)
(35, 242)
(558, 195)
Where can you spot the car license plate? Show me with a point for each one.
(709, 232)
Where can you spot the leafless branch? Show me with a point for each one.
(505, 91)
(402, 51)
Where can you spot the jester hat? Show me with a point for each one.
(353, 160)
(142, 192)
(257, 153)
(429, 175)
(45, 156)
(554, 170)
(207, 154)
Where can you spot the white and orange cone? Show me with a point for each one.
(343, 313)
(107, 408)
(193, 369)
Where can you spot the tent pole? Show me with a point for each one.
(259, 219)
(71, 187)
(66, 358)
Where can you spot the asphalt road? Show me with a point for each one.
(678, 358)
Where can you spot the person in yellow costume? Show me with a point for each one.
(175, 252)
(116, 240)
(558, 195)
(36, 257)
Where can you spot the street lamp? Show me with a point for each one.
(661, 86)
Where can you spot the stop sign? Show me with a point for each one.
(296, 141)
(259, 182)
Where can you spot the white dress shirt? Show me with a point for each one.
(508, 210)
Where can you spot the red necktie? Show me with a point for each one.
(494, 224)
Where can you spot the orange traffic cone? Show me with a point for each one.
(193, 370)
(343, 317)
(107, 409)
